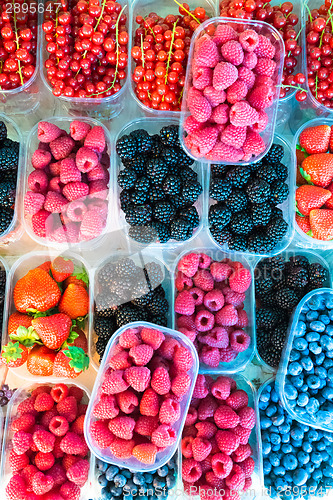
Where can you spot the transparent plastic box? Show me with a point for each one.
(312, 257)
(263, 29)
(283, 367)
(32, 145)
(153, 126)
(140, 259)
(287, 206)
(87, 491)
(104, 108)
(20, 268)
(243, 358)
(144, 8)
(163, 457)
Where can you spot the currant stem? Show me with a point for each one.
(170, 52)
(17, 43)
(187, 12)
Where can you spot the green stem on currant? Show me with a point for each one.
(101, 15)
(17, 43)
(187, 12)
(150, 28)
(170, 52)
(309, 11)
(297, 36)
(142, 53)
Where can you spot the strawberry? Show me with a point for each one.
(40, 361)
(318, 169)
(329, 202)
(75, 301)
(70, 362)
(37, 291)
(315, 139)
(309, 197)
(46, 266)
(14, 354)
(321, 222)
(78, 277)
(53, 330)
(18, 319)
(61, 268)
(80, 340)
(303, 223)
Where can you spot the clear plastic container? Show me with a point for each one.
(102, 109)
(302, 239)
(144, 8)
(243, 358)
(32, 145)
(163, 457)
(20, 395)
(287, 206)
(153, 126)
(263, 29)
(312, 257)
(255, 442)
(140, 259)
(283, 367)
(21, 267)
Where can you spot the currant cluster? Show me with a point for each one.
(87, 45)
(319, 50)
(18, 42)
(160, 51)
(284, 20)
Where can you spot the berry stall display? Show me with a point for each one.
(297, 458)
(159, 189)
(314, 200)
(126, 292)
(209, 307)
(48, 309)
(86, 49)
(3, 279)
(280, 284)
(231, 84)
(66, 198)
(46, 455)
(215, 443)
(141, 396)
(248, 215)
(160, 53)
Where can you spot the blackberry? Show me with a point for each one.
(297, 278)
(286, 299)
(3, 131)
(218, 170)
(170, 135)
(7, 194)
(241, 223)
(276, 229)
(272, 266)
(317, 274)
(186, 174)
(270, 354)
(126, 147)
(261, 214)
(258, 191)
(9, 175)
(266, 318)
(158, 305)
(137, 215)
(125, 199)
(191, 215)
(157, 170)
(172, 185)
(156, 193)
(220, 189)
(142, 184)
(171, 156)
(138, 197)
(183, 160)
(279, 192)
(266, 173)
(142, 234)
(281, 171)
(260, 243)
(9, 143)
(143, 140)
(278, 336)
(221, 236)
(237, 243)
(263, 285)
(268, 300)
(277, 212)
(181, 230)
(163, 211)
(137, 164)
(157, 146)
(238, 176)
(236, 202)
(162, 231)
(104, 327)
(145, 299)
(299, 261)
(106, 304)
(125, 268)
(126, 178)
(160, 320)
(129, 313)
(106, 275)
(154, 274)
(2, 278)
(191, 191)
(101, 346)
(179, 203)
(275, 153)
(219, 215)
(6, 217)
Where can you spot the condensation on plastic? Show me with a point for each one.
(283, 367)
(153, 126)
(20, 395)
(163, 457)
(303, 239)
(312, 257)
(103, 109)
(255, 442)
(243, 358)
(287, 206)
(164, 8)
(32, 145)
(21, 267)
(140, 259)
(263, 29)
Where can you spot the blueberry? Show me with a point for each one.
(163, 471)
(287, 448)
(303, 458)
(119, 480)
(329, 301)
(301, 412)
(317, 475)
(329, 354)
(271, 410)
(300, 344)
(276, 447)
(328, 363)
(315, 348)
(265, 395)
(304, 388)
(172, 462)
(284, 428)
(319, 360)
(139, 479)
(312, 406)
(327, 393)
(279, 470)
(313, 382)
(317, 326)
(275, 438)
(306, 446)
(289, 462)
(148, 477)
(295, 368)
(321, 372)
(325, 456)
(263, 405)
(112, 470)
(267, 467)
(266, 448)
(300, 329)
(290, 391)
(326, 342)
(281, 484)
(307, 363)
(126, 473)
(131, 487)
(300, 477)
(274, 459)
(302, 399)
(100, 465)
(305, 308)
(170, 481)
(294, 355)
(285, 438)
(297, 381)
(265, 422)
(115, 491)
(275, 396)
(297, 434)
(105, 494)
(278, 420)
(102, 480)
(316, 457)
(324, 417)
(159, 482)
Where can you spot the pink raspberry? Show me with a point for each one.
(182, 358)
(206, 53)
(95, 139)
(41, 223)
(227, 316)
(55, 168)
(239, 340)
(78, 472)
(225, 74)
(242, 114)
(138, 377)
(186, 446)
(76, 210)
(98, 173)
(184, 303)
(33, 202)
(227, 355)
(234, 298)
(62, 147)
(221, 388)
(141, 354)
(120, 361)
(201, 448)
(236, 480)
(40, 159)
(152, 337)
(169, 345)
(191, 417)
(247, 76)
(93, 224)
(204, 321)
(180, 384)
(198, 295)
(163, 436)
(247, 467)
(210, 356)
(202, 77)
(214, 300)
(43, 440)
(238, 399)
(250, 60)
(114, 382)
(127, 401)
(264, 47)
(169, 412)
(243, 452)
(217, 337)
(21, 442)
(146, 425)
(55, 185)
(106, 408)
(266, 81)
(220, 271)
(227, 441)
(224, 33)
(247, 417)
(222, 465)
(265, 67)
(204, 140)
(130, 338)
(189, 264)
(232, 52)
(207, 408)
(220, 114)
(214, 97)
(223, 152)
(75, 190)
(237, 91)
(243, 320)
(122, 427)
(262, 122)
(203, 280)
(38, 181)
(225, 417)
(214, 480)
(191, 125)
(204, 261)
(254, 144)
(205, 429)
(122, 448)
(234, 136)
(190, 334)
(201, 387)
(48, 132)
(249, 40)
(86, 159)
(243, 434)
(79, 130)
(240, 280)
(160, 381)
(69, 171)
(191, 470)
(185, 322)
(55, 202)
(182, 282)
(198, 105)
(261, 97)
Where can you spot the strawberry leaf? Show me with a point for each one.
(12, 351)
(309, 233)
(306, 176)
(26, 336)
(41, 314)
(297, 211)
(81, 274)
(71, 337)
(79, 360)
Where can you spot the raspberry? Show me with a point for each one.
(261, 97)
(243, 320)
(79, 129)
(47, 417)
(115, 382)
(253, 145)
(203, 280)
(59, 392)
(67, 408)
(120, 361)
(225, 74)
(234, 298)
(149, 404)
(28, 473)
(247, 76)
(33, 202)
(190, 334)
(40, 223)
(38, 181)
(207, 408)
(43, 440)
(205, 429)
(243, 434)
(185, 322)
(210, 356)
(141, 354)
(191, 125)
(44, 402)
(160, 381)
(220, 114)
(247, 466)
(182, 282)
(238, 399)
(48, 132)
(127, 401)
(42, 483)
(82, 409)
(214, 480)
(248, 483)
(224, 33)
(221, 465)
(152, 337)
(227, 355)
(17, 462)
(198, 105)
(145, 453)
(16, 488)
(264, 47)
(101, 434)
(250, 60)
(163, 436)
(44, 461)
(58, 473)
(236, 480)
(23, 423)
(242, 114)
(138, 377)
(122, 427)
(69, 460)
(201, 387)
(202, 77)
(265, 67)
(198, 295)
(206, 53)
(129, 338)
(169, 412)
(183, 359)
(201, 448)
(78, 425)
(220, 271)
(243, 451)
(69, 171)
(227, 441)
(214, 97)
(184, 303)
(75, 190)
(237, 91)
(106, 407)
(95, 139)
(98, 173)
(204, 140)
(225, 417)
(232, 52)
(239, 341)
(180, 384)
(249, 40)
(227, 316)
(191, 470)
(78, 473)
(73, 444)
(221, 388)
(76, 210)
(191, 417)
(217, 337)
(62, 147)
(21, 442)
(145, 425)
(234, 136)
(261, 124)
(186, 446)
(86, 160)
(247, 417)
(55, 202)
(223, 152)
